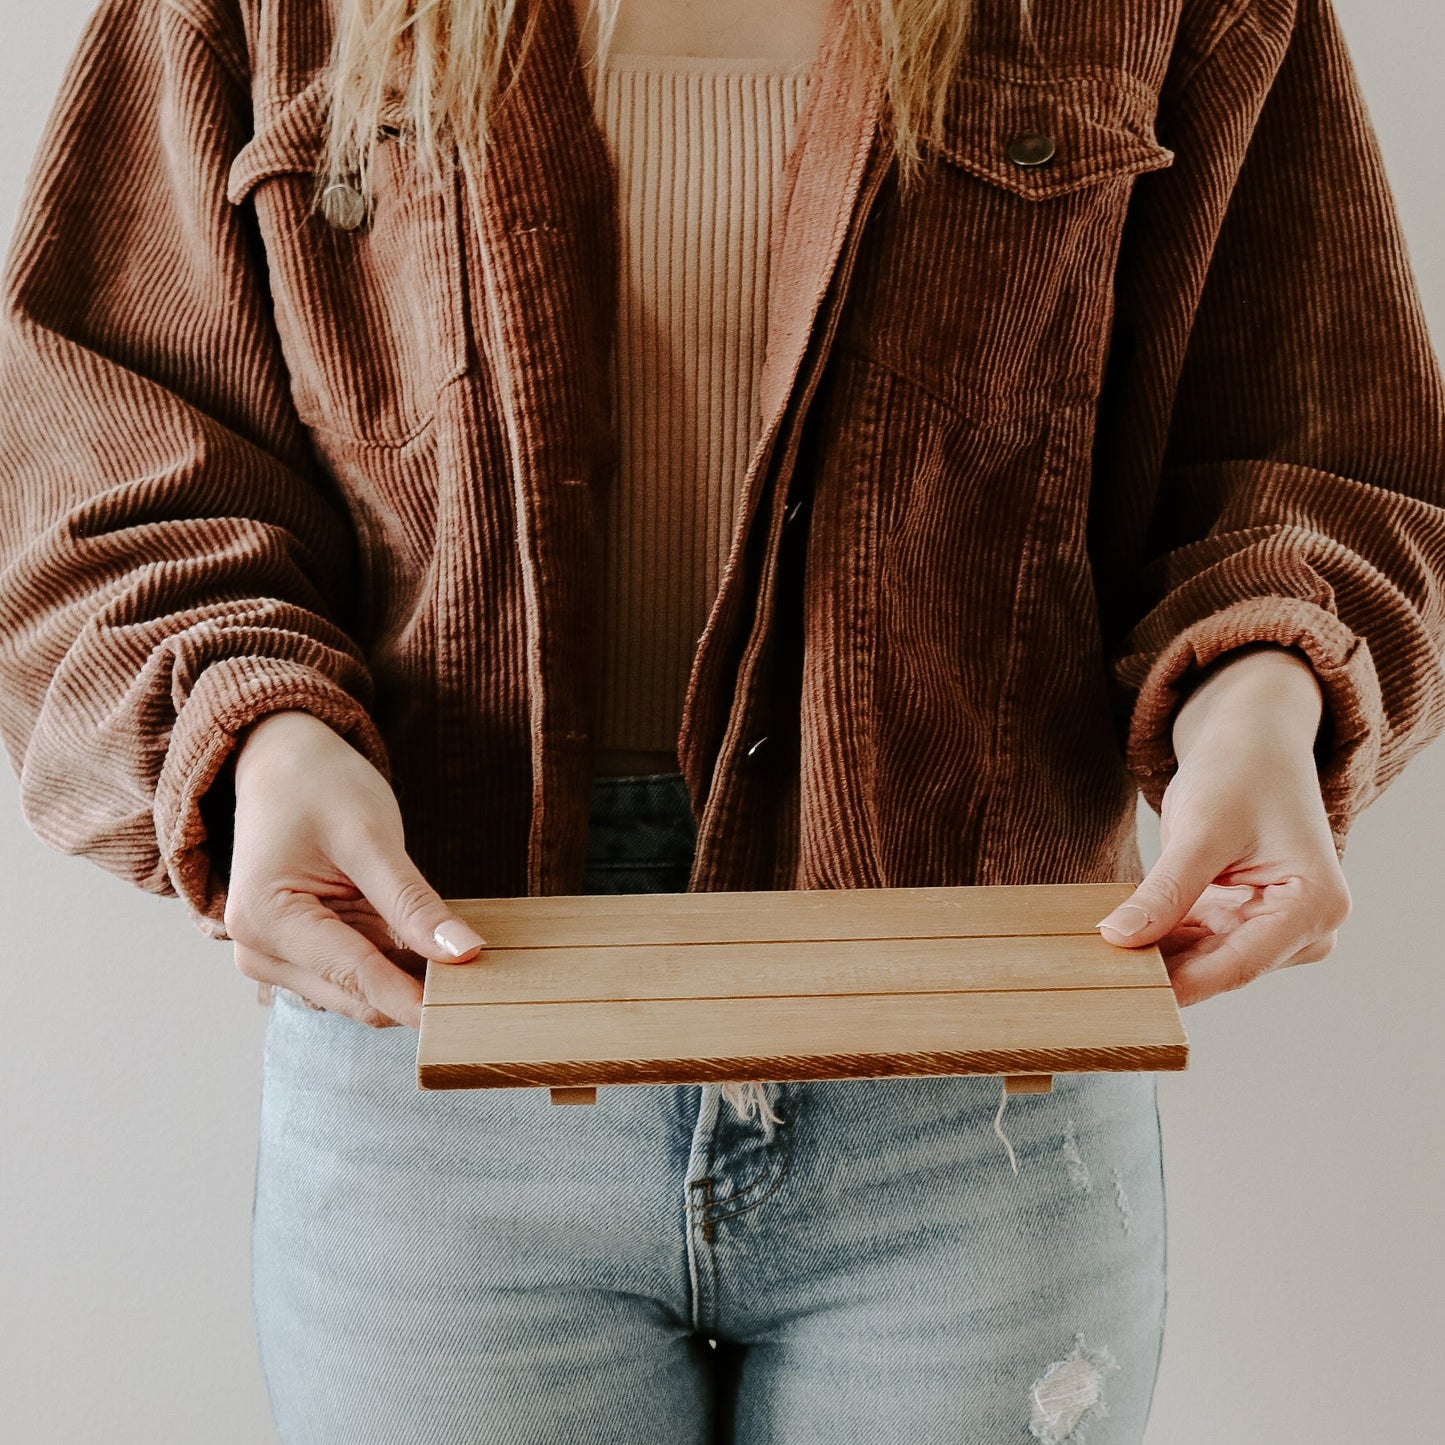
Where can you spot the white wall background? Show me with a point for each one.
(1302, 1145)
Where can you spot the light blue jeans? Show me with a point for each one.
(449, 1267)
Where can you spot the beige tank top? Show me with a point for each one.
(699, 144)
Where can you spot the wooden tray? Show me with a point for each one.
(681, 988)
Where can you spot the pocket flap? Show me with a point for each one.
(1100, 125)
(294, 137)
(291, 140)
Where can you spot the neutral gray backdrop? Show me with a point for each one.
(1301, 1147)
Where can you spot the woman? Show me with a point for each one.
(1040, 410)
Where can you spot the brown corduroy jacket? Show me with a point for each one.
(1040, 442)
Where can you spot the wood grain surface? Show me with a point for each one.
(576, 992)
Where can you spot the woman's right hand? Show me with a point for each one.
(323, 899)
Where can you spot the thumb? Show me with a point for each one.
(1168, 891)
(417, 915)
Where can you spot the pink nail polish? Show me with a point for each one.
(457, 938)
(1115, 920)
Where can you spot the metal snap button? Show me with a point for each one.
(343, 206)
(1031, 148)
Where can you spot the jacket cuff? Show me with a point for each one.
(228, 695)
(1347, 751)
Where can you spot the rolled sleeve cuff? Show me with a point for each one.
(228, 696)
(1348, 750)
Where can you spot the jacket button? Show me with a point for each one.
(1031, 148)
(756, 744)
(343, 206)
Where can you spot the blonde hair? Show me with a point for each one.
(436, 64)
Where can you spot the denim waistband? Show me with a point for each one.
(641, 835)
(654, 796)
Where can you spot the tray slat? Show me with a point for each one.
(569, 921)
(801, 1038)
(769, 970)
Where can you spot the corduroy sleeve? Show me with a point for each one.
(1271, 456)
(173, 562)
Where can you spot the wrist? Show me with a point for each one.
(280, 732)
(1263, 694)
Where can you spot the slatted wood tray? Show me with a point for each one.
(574, 992)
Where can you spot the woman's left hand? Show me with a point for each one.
(1248, 879)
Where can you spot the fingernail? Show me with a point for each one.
(457, 938)
(1119, 924)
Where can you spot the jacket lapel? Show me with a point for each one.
(832, 174)
(543, 203)
(820, 194)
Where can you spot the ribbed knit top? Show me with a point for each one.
(699, 145)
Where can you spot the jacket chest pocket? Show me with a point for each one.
(371, 320)
(990, 284)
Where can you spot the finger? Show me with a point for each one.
(314, 991)
(303, 931)
(1321, 948)
(1165, 896)
(1219, 909)
(1230, 960)
(361, 916)
(415, 912)
(1200, 944)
